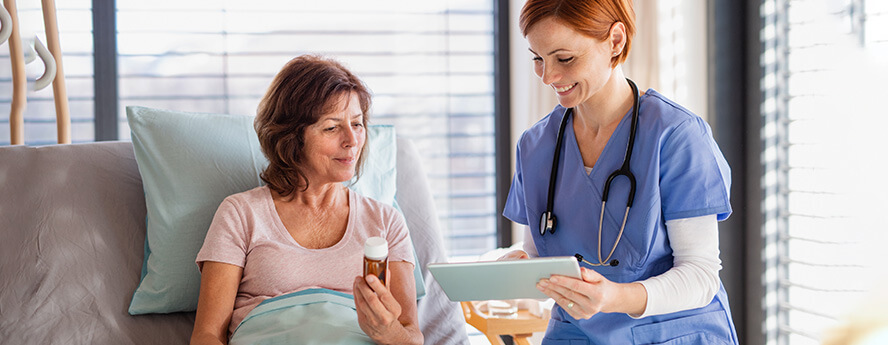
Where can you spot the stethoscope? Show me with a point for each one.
(548, 220)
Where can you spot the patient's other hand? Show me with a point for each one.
(514, 255)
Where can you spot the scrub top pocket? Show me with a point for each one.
(698, 338)
(564, 333)
(705, 328)
(547, 341)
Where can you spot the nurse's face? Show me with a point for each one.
(576, 66)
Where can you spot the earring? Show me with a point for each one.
(616, 53)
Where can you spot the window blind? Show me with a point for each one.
(75, 35)
(822, 163)
(429, 65)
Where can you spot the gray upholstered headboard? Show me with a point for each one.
(73, 219)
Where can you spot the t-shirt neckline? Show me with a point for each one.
(282, 230)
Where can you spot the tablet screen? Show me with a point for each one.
(490, 280)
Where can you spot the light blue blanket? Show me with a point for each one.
(313, 316)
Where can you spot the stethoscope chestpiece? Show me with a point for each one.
(547, 223)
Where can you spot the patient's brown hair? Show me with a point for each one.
(305, 89)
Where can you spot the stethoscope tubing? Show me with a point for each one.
(624, 170)
(548, 221)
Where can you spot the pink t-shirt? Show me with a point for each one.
(247, 232)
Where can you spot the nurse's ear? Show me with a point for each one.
(617, 41)
(617, 38)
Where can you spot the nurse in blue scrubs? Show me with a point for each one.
(650, 271)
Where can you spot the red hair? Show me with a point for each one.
(592, 18)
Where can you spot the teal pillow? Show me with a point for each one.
(189, 163)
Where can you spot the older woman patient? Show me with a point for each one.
(304, 229)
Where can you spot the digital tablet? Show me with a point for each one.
(492, 280)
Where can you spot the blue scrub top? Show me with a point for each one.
(680, 173)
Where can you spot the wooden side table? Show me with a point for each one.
(520, 327)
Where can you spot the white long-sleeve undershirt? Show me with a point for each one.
(693, 281)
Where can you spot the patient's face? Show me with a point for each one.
(334, 143)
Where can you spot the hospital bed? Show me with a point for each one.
(72, 230)
(73, 227)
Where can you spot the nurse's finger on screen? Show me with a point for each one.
(566, 282)
(571, 288)
(591, 276)
(552, 293)
(580, 287)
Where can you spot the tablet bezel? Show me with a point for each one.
(499, 280)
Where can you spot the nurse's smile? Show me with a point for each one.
(564, 90)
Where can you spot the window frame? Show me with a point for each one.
(105, 69)
(735, 96)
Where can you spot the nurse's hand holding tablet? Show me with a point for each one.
(627, 181)
(583, 298)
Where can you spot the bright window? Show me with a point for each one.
(824, 162)
(429, 65)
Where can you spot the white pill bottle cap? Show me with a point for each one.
(376, 248)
